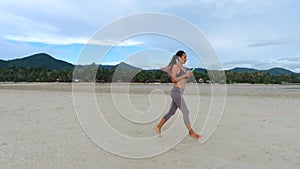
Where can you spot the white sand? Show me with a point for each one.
(259, 129)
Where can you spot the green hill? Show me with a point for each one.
(40, 60)
(127, 67)
(273, 71)
(43, 60)
(279, 71)
(243, 70)
(3, 64)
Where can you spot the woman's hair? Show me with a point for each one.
(175, 57)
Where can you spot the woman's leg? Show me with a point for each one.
(177, 102)
(180, 102)
(171, 112)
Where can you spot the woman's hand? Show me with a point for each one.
(188, 74)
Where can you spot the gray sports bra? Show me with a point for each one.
(181, 72)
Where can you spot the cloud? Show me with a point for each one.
(290, 59)
(235, 27)
(47, 39)
(56, 39)
(297, 70)
(271, 42)
(291, 62)
(129, 42)
(227, 41)
(150, 58)
(11, 50)
(22, 24)
(110, 63)
(240, 63)
(238, 8)
(61, 25)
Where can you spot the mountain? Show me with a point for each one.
(107, 66)
(40, 60)
(3, 64)
(201, 70)
(43, 60)
(274, 71)
(125, 66)
(278, 71)
(243, 70)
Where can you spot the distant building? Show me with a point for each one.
(77, 80)
(157, 81)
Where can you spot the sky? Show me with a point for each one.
(259, 34)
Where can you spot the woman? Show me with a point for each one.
(179, 76)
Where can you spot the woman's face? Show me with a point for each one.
(183, 59)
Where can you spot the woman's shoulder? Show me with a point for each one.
(176, 66)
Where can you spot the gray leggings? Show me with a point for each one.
(178, 102)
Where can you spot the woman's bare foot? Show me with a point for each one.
(157, 129)
(194, 135)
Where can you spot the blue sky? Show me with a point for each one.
(245, 33)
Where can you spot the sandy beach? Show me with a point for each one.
(39, 128)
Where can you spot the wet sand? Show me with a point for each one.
(259, 128)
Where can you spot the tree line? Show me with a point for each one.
(93, 73)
